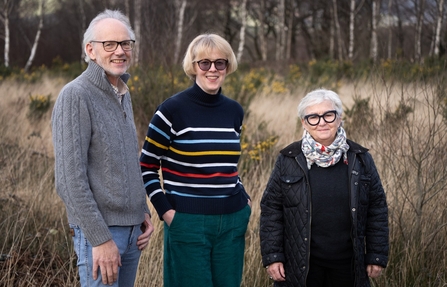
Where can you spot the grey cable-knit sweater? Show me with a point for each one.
(96, 150)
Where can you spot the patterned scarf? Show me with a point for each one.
(325, 156)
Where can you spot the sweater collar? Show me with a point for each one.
(98, 76)
(198, 95)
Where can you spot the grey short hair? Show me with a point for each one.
(89, 34)
(206, 43)
(317, 97)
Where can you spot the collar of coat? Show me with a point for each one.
(294, 148)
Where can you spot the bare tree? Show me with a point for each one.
(127, 8)
(259, 11)
(36, 39)
(353, 9)
(8, 5)
(180, 6)
(374, 21)
(337, 30)
(83, 28)
(418, 33)
(243, 16)
(332, 35)
(290, 16)
(390, 29)
(351, 29)
(137, 27)
(279, 28)
(439, 18)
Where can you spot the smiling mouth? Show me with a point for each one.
(118, 61)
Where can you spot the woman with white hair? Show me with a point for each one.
(324, 216)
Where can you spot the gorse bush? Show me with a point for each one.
(244, 86)
(39, 105)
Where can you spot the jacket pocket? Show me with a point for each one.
(291, 187)
(365, 183)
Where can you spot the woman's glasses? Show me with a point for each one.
(314, 119)
(219, 64)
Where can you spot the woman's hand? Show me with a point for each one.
(374, 271)
(276, 271)
(169, 216)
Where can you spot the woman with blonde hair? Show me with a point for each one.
(194, 139)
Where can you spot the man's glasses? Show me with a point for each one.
(314, 119)
(219, 64)
(111, 46)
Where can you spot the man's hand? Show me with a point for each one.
(107, 258)
(147, 227)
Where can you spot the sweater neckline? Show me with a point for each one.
(98, 76)
(200, 96)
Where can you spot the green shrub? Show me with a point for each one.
(38, 105)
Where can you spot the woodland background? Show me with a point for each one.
(274, 32)
(386, 59)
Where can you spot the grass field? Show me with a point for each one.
(402, 124)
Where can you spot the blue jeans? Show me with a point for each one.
(125, 238)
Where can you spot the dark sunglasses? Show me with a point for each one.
(219, 64)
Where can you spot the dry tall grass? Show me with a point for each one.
(409, 151)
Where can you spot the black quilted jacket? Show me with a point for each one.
(285, 215)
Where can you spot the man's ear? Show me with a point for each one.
(90, 51)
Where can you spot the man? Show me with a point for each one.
(97, 158)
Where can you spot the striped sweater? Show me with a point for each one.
(194, 139)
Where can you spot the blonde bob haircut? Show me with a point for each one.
(204, 45)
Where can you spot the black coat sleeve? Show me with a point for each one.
(272, 222)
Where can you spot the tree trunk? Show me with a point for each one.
(262, 40)
(290, 29)
(180, 6)
(390, 30)
(418, 34)
(374, 19)
(280, 31)
(6, 52)
(243, 16)
(438, 26)
(137, 27)
(400, 33)
(337, 31)
(351, 30)
(83, 21)
(4, 18)
(332, 36)
(36, 39)
(127, 8)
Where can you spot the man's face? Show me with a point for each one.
(114, 63)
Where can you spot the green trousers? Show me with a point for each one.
(205, 250)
